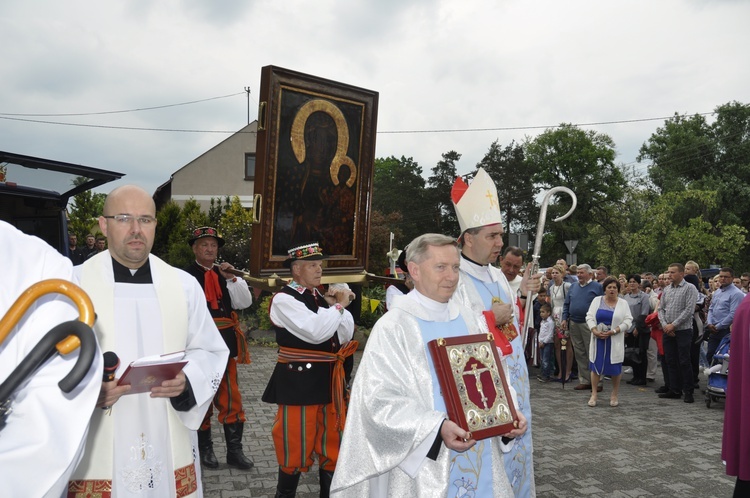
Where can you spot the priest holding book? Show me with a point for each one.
(144, 444)
(398, 440)
(224, 292)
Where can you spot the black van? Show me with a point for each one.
(34, 194)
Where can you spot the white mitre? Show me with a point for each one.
(477, 204)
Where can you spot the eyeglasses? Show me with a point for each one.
(127, 219)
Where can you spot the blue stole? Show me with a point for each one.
(472, 469)
(519, 460)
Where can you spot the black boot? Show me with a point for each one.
(326, 477)
(206, 448)
(287, 486)
(235, 456)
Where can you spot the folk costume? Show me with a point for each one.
(44, 435)
(396, 411)
(145, 446)
(222, 296)
(478, 287)
(308, 381)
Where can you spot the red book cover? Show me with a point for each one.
(473, 385)
(145, 373)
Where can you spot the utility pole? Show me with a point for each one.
(247, 90)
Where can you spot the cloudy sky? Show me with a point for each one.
(510, 66)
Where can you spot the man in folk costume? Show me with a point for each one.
(144, 444)
(224, 292)
(483, 287)
(308, 384)
(45, 429)
(397, 423)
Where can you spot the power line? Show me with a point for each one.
(121, 111)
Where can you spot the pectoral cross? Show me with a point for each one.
(476, 373)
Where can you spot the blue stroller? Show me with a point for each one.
(718, 373)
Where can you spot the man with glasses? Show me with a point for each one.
(146, 308)
(724, 303)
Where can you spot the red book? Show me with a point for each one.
(473, 385)
(151, 371)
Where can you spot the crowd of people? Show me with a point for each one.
(386, 433)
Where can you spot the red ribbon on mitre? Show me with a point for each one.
(458, 190)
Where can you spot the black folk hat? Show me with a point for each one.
(201, 232)
(306, 252)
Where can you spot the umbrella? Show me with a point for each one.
(563, 359)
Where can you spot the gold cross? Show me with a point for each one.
(491, 197)
(476, 373)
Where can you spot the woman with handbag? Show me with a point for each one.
(639, 308)
(608, 318)
(557, 291)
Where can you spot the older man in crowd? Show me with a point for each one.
(577, 303)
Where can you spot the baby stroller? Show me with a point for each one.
(718, 373)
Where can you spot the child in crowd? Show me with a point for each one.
(546, 343)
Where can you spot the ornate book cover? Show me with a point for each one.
(314, 169)
(473, 385)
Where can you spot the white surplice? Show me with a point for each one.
(391, 422)
(144, 441)
(43, 439)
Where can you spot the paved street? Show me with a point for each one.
(645, 447)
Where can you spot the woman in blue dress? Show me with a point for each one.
(608, 318)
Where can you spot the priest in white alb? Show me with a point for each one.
(398, 440)
(144, 445)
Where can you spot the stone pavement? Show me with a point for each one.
(645, 447)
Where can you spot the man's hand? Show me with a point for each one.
(522, 426)
(170, 388)
(503, 313)
(711, 328)
(564, 325)
(223, 267)
(530, 282)
(669, 329)
(455, 437)
(110, 393)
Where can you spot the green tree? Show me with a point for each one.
(513, 177)
(439, 192)
(683, 225)
(84, 210)
(235, 227)
(398, 186)
(688, 153)
(584, 162)
(170, 240)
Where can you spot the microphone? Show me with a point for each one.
(111, 362)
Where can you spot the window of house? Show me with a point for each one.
(249, 166)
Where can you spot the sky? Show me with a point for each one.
(509, 68)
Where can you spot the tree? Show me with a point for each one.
(398, 186)
(584, 162)
(688, 153)
(439, 192)
(84, 210)
(513, 177)
(170, 240)
(235, 227)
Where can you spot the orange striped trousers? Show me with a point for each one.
(227, 399)
(301, 431)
